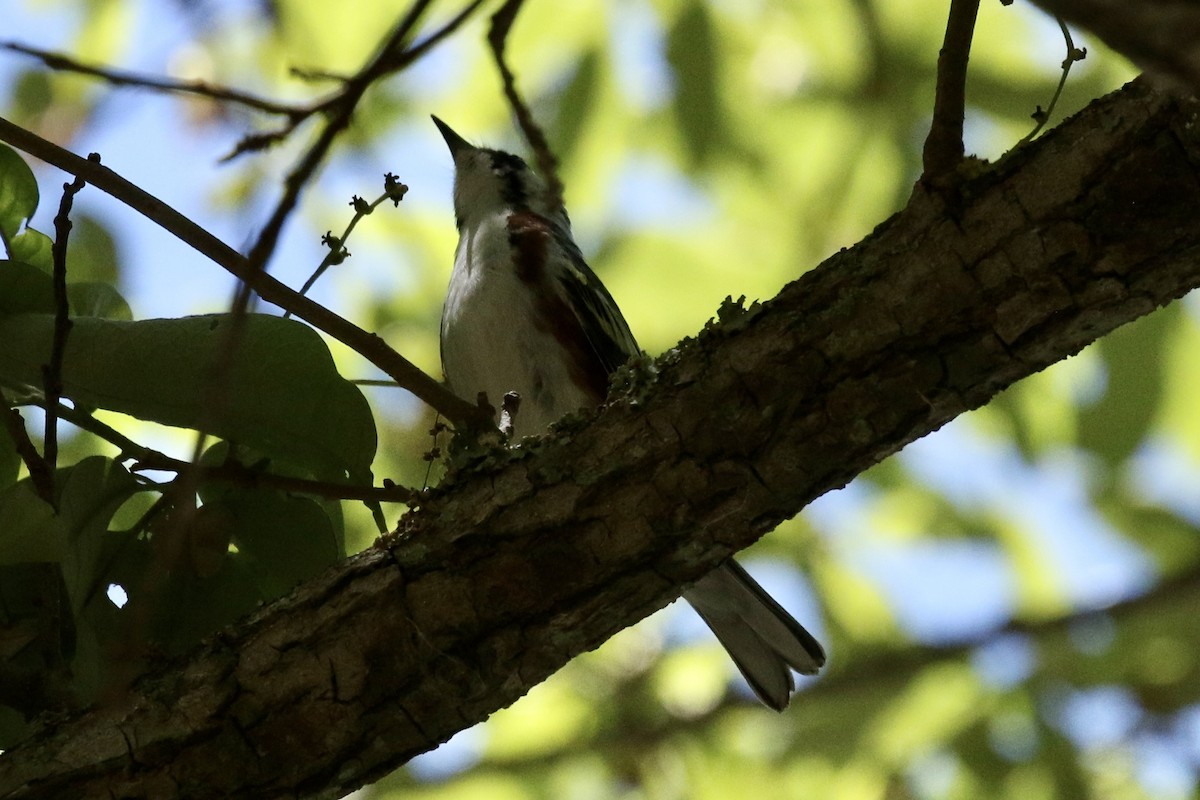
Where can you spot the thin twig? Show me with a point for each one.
(502, 22)
(394, 190)
(414, 53)
(249, 270)
(1073, 54)
(944, 145)
(147, 458)
(337, 120)
(295, 114)
(134, 80)
(375, 382)
(40, 474)
(52, 372)
(368, 345)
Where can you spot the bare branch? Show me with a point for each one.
(1073, 54)
(944, 145)
(39, 471)
(121, 78)
(1160, 36)
(502, 22)
(147, 458)
(368, 345)
(52, 372)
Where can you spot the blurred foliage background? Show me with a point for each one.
(1010, 605)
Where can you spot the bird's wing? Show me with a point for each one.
(599, 315)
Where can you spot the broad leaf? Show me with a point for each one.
(18, 192)
(34, 247)
(29, 530)
(25, 289)
(96, 299)
(285, 539)
(281, 394)
(90, 493)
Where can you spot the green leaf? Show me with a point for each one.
(29, 530)
(576, 103)
(190, 608)
(1114, 427)
(92, 253)
(284, 396)
(212, 492)
(34, 247)
(692, 51)
(25, 289)
(181, 608)
(90, 493)
(285, 539)
(18, 192)
(95, 299)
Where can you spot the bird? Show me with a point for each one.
(524, 313)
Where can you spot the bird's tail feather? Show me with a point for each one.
(761, 637)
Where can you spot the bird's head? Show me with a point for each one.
(488, 181)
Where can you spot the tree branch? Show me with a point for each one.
(944, 146)
(52, 372)
(368, 345)
(502, 22)
(1160, 36)
(502, 577)
(62, 62)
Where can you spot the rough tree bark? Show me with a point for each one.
(504, 576)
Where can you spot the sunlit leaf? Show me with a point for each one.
(18, 191)
(91, 252)
(34, 247)
(94, 299)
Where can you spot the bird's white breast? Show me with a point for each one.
(491, 341)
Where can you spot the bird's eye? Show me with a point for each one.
(506, 163)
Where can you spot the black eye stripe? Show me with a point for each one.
(510, 170)
(505, 163)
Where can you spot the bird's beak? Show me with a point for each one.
(456, 143)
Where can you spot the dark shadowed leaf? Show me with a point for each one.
(285, 539)
(283, 394)
(29, 530)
